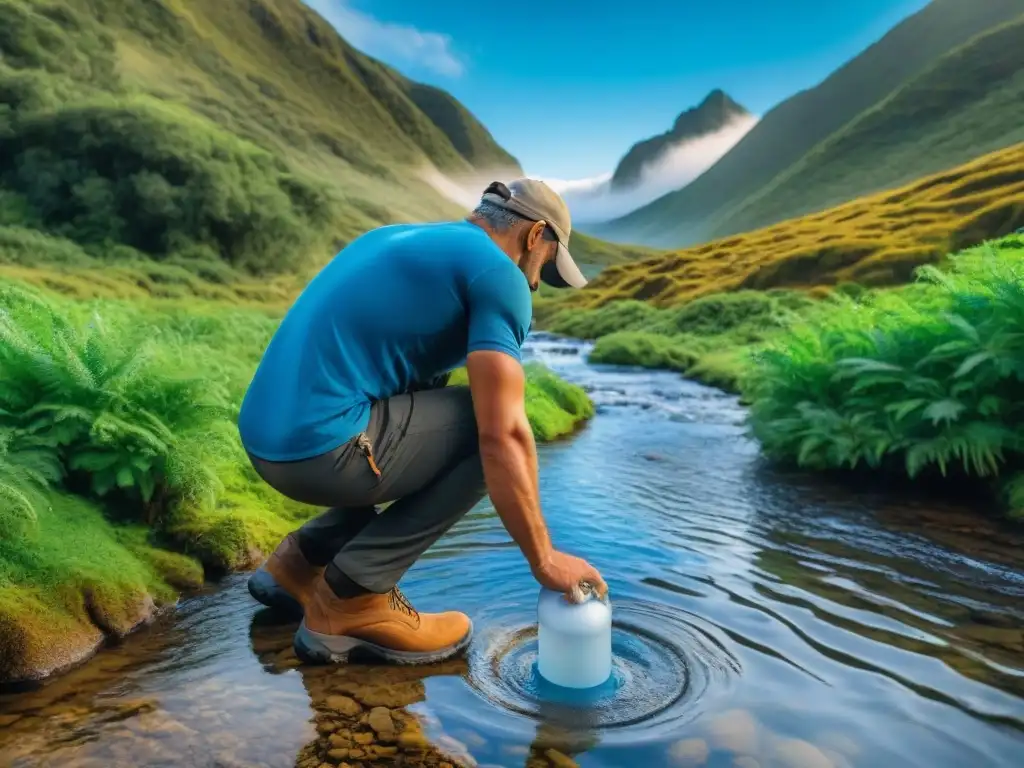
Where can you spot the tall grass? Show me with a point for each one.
(929, 378)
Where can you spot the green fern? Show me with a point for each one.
(930, 375)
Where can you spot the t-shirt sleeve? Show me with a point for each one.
(500, 311)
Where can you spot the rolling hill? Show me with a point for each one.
(873, 241)
(969, 102)
(230, 140)
(795, 126)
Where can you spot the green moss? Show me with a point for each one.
(74, 570)
(648, 350)
(554, 407)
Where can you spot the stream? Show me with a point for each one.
(761, 619)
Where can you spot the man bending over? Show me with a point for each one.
(348, 409)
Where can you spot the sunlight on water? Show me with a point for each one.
(757, 616)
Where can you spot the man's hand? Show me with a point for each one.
(563, 573)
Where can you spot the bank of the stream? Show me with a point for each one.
(760, 617)
(923, 378)
(122, 480)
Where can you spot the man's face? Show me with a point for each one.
(538, 246)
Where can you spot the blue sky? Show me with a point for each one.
(568, 86)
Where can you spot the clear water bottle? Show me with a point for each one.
(574, 640)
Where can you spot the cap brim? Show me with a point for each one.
(562, 272)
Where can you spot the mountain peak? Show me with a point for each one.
(717, 110)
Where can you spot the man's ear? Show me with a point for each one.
(535, 234)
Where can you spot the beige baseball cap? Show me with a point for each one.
(536, 201)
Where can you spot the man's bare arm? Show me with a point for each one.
(509, 454)
(508, 451)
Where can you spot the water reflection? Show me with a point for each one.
(806, 625)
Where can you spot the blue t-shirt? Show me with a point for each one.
(400, 305)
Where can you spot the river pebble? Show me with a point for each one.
(381, 722)
(733, 731)
(797, 753)
(559, 760)
(689, 753)
(344, 705)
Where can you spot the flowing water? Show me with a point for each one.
(761, 619)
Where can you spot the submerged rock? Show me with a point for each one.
(733, 731)
(797, 753)
(689, 753)
(559, 760)
(344, 705)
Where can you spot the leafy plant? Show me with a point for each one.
(112, 415)
(931, 377)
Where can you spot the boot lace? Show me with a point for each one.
(399, 602)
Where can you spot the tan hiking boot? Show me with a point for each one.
(286, 580)
(384, 627)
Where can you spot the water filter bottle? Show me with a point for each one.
(574, 640)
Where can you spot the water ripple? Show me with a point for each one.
(668, 665)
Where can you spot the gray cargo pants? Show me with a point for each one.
(421, 451)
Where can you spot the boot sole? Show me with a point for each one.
(264, 588)
(315, 648)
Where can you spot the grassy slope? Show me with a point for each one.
(262, 103)
(795, 126)
(875, 240)
(969, 102)
(273, 74)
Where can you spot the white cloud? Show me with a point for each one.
(393, 43)
(592, 200)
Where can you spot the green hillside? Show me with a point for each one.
(240, 132)
(792, 128)
(970, 102)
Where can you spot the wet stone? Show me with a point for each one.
(343, 739)
(689, 753)
(380, 720)
(363, 738)
(733, 731)
(797, 753)
(560, 760)
(413, 740)
(343, 705)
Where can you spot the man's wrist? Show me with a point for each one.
(540, 558)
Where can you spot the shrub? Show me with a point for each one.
(160, 179)
(930, 377)
(644, 349)
(112, 416)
